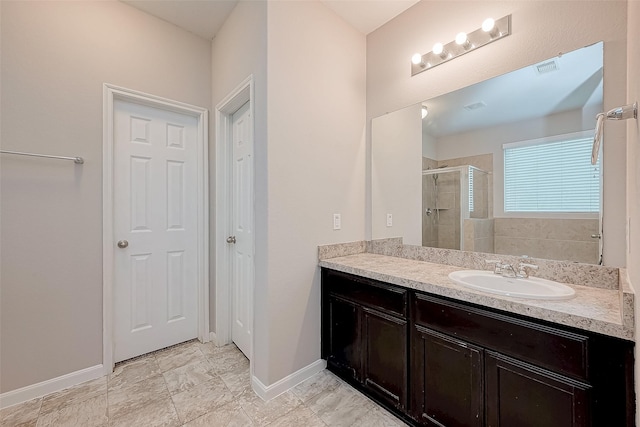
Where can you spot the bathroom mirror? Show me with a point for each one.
(502, 166)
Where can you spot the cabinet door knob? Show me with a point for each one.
(231, 239)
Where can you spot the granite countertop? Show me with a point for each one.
(593, 309)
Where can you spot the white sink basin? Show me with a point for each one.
(532, 287)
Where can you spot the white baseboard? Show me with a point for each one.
(212, 338)
(288, 382)
(33, 391)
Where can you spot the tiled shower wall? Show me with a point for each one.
(429, 229)
(449, 204)
(480, 191)
(441, 228)
(479, 235)
(560, 239)
(482, 161)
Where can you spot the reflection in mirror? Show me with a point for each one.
(503, 166)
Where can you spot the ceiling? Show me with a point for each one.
(201, 17)
(368, 15)
(520, 95)
(205, 17)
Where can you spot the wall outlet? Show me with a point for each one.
(337, 222)
(389, 220)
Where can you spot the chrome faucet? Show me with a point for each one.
(508, 270)
(524, 269)
(497, 265)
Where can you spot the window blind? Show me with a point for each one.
(551, 177)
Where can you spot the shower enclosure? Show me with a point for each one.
(451, 195)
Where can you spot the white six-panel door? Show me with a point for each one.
(242, 269)
(155, 225)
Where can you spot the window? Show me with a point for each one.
(551, 175)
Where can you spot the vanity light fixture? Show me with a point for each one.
(439, 50)
(490, 31)
(489, 26)
(463, 40)
(416, 59)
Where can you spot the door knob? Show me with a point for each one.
(231, 239)
(123, 244)
(595, 236)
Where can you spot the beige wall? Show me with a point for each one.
(541, 29)
(316, 157)
(633, 173)
(55, 58)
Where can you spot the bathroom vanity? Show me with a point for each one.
(439, 355)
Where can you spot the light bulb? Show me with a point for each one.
(488, 25)
(424, 111)
(461, 38)
(438, 48)
(416, 59)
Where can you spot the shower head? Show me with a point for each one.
(443, 166)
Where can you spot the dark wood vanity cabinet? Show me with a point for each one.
(440, 362)
(384, 356)
(506, 371)
(344, 343)
(366, 338)
(458, 384)
(446, 380)
(530, 373)
(519, 394)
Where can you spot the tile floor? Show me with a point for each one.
(196, 384)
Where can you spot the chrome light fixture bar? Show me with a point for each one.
(489, 32)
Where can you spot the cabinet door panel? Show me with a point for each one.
(446, 380)
(385, 356)
(345, 352)
(519, 394)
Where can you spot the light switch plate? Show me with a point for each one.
(337, 222)
(389, 220)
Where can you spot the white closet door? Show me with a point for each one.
(155, 220)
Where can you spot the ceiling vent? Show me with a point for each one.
(475, 106)
(547, 67)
